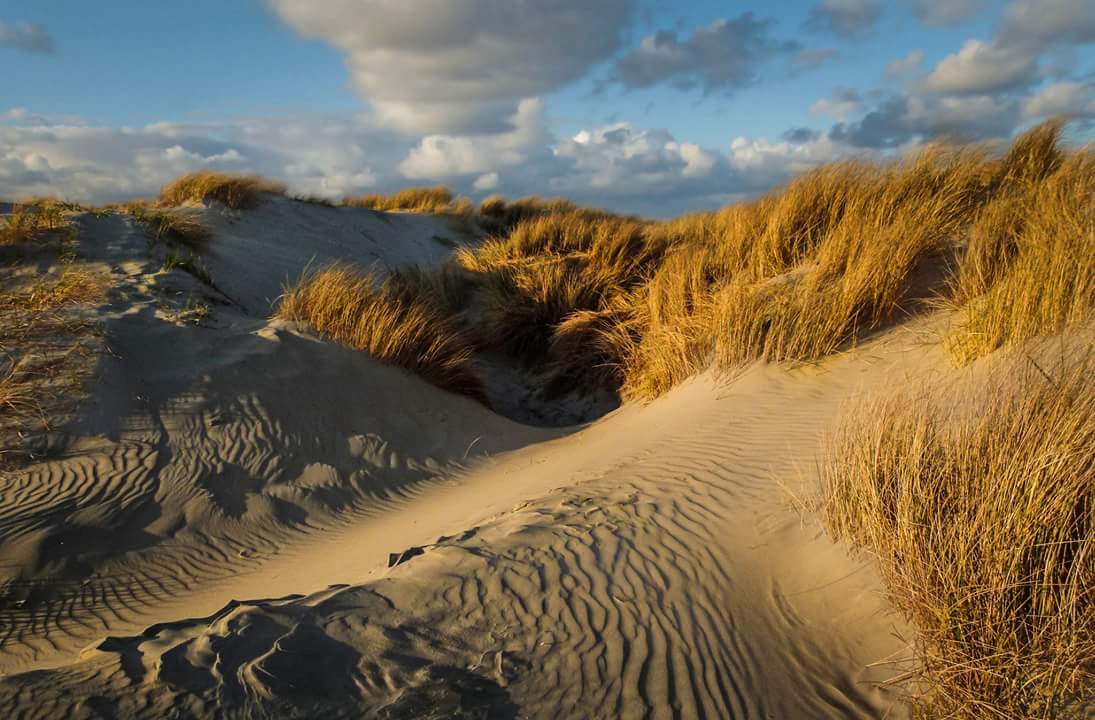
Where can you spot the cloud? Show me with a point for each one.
(722, 57)
(913, 118)
(104, 164)
(846, 18)
(1067, 98)
(443, 156)
(983, 67)
(444, 66)
(940, 13)
(1010, 61)
(619, 166)
(486, 182)
(843, 103)
(768, 164)
(1037, 24)
(800, 135)
(905, 65)
(27, 37)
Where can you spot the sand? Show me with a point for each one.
(247, 522)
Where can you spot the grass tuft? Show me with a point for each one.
(416, 199)
(392, 325)
(32, 219)
(238, 192)
(1029, 266)
(981, 511)
(171, 226)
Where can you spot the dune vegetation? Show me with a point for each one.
(415, 199)
(238, 192)
(170, 225)
(33, 219)
(385, 320)
(45, 333)
(980, 509)
(797, 274)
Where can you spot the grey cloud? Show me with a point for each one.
(27, 37)
(939, 13)
(910, 118)
(1068, 98)
(1011, 60)
(846, 18)
(1036, 24)
(460, 65)
(842, 103)
(722, 57)
(800, 135)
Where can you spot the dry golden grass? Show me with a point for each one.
(501, 216)
(171, 225)
(555, 293)
(1029, 269)
(803, 272)
(384, 320)
(73, 285)
(45, 338)
(33, 218)
(521, 305)
(416, 199)
(981, 512)
(235, 191)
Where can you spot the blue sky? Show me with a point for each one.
(646, 106)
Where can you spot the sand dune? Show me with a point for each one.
(249, 522)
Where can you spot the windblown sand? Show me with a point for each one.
(250, 522)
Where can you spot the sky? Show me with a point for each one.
(645, 106)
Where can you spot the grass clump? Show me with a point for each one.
(33, 218)
(501, 216)
(171, 226)
(981, 512)
(394, 326)
(46, 336)
(238, 192)
(1029, 267)
(437, 199)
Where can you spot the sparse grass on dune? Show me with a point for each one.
(45, 337)
(171, 225)
(73, 285)
(234, 191)
(981, 512)
(437, 199)
(359, 310)
(502, 216)
(33, 218)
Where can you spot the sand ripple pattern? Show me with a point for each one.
(641, 590)
(213, 488)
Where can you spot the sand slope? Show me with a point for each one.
(649, 565)
(257, 252)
